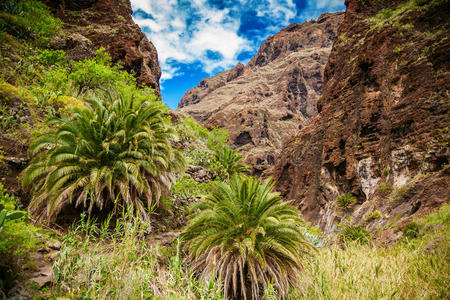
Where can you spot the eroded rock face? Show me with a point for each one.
(90, 24)
(382, 128)
(271, 98)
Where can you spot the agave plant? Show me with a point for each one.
(245, 235)
(116, 151)
(229, 161)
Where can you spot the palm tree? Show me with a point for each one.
(229, 160)
(248, 237)
(116, 151)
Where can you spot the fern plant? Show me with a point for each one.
(117, 149)
(245, 235)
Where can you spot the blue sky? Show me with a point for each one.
(199, 38)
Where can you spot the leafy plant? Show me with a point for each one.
(29, 20)
(373, 216)
(246, 236)
(346, 200)
(98, 73)
(355, 233)
(411, 230)
(8, 210)
(228, 160)
(119, 149)
(8, 216)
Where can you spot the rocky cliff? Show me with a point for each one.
(382, 129)
(271, 98)
(90, 24)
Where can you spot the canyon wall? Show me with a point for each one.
(273, 96)
(382, 129)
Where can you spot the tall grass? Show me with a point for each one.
(123, 263)
(98, 263)
(411, 269)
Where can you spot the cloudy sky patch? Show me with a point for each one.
(200, 38)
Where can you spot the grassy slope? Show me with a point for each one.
(95, 263)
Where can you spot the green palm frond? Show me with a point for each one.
(229, 160)
(248, 237)
(116, 147)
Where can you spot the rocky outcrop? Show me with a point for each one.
(272, 97)
(382, 130)
(91, 24)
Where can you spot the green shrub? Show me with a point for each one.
(411, 230)
(98, 73)
(346, 200)
(189, 130)
(28, 20)
(49, 57)
(244, 230)
(385, 189)
(373, 216)
(217, 138)
(198, 157)
(385, 172)
(229, 162)
(355, 233)
(118, 150)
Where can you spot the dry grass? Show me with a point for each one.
(411, 269)
(121, 264)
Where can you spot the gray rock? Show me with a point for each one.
(55, 246)
(200, 174)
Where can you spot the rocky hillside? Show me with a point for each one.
(87, 25)
(271, 98)
(381, 135)
(91, 24)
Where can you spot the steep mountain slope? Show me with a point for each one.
(273, 96)
(382, 129)
(90, 24)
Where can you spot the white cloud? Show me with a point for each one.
(184, 33)
(211, 29)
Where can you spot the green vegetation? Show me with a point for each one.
(411, 230)
(247, 237)
(97, 262)
(228, 160)
(17, 239)
(101, 143)
(385, 189)
(397, 17)
(373, 216)
(355, 233)
(346, 200)
(29, 20)
(405, 270)
(118, 151)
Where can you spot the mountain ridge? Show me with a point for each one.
(266, 101)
